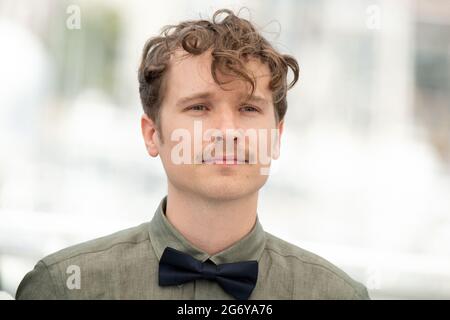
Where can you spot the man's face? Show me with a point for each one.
(196, 112)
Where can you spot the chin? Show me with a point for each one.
(219, 187)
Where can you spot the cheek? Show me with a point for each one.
(262, 144)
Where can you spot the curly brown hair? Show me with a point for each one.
(231, 40)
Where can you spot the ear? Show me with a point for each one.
(276, 147)
(150, 135)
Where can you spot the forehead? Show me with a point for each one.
(188, 74)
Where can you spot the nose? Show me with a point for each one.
(227, 123)
(226, 118)
(228, 132)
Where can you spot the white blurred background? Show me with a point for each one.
(364, 174)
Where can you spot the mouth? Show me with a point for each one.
(224, 161)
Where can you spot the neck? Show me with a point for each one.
(209, 224)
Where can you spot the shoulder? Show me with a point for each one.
(105, 246)
(95, 258)
(314, 276)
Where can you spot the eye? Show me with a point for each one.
(249, 109)
(197, 107)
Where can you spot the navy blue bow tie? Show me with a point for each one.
(237, 279)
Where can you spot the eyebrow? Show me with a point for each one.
(207, 95)
(196, 96)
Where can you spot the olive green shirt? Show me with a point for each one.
(124, 265)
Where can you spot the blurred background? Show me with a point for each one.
(364, 174)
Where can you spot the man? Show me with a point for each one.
(211, 91)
